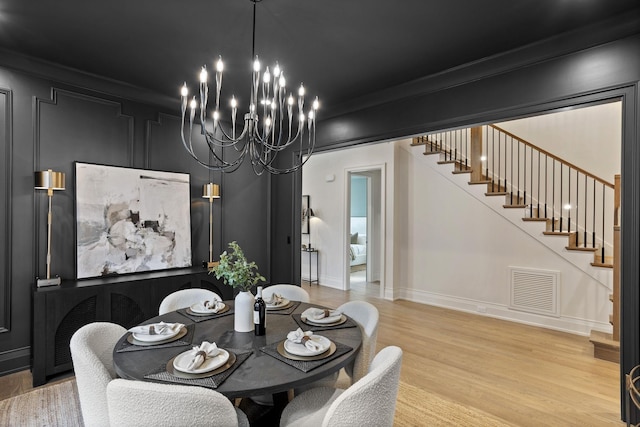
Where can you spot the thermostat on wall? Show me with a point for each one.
(330, 178)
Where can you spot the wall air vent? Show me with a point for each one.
(534, 291)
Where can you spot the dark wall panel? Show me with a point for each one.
(5, 208)
(71, 127)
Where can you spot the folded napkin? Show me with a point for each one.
(274, 299)
(203, 352)
(214, 305)
(321, 313)
(161, 328)
(300, 337)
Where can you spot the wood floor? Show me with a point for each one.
(517, 374)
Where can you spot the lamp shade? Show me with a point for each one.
(211, 191)
(49, 179)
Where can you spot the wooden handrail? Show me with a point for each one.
(548, 154)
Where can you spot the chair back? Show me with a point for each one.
(290, 292)
(185, 298)
(92, 354)
(372, 400)
(366, 316)
(142, 403)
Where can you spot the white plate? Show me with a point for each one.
(332, 319)
(301, 350)
(155, 338)
(200, 308)
(282, 304)
(183, 359)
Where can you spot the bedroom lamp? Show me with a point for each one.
(210, 191)
(50, 181)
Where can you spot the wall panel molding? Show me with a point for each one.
(73, 126)
(6, 145)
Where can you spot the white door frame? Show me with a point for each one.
(347, 222)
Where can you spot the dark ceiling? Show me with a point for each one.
(340, 49)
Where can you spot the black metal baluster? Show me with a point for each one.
(538, 206)
(577, 206)
(561, 205)
(546, 186)
(553, 195)
(584, 243)
(604, 212)
(593, 229)
(569, 202)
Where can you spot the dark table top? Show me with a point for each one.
(261, 373)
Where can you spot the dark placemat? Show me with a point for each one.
(197, 319)
(125, 345)
(305, 365)
(213, 381)
(288, 310)
(350, 323)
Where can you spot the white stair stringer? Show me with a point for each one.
(580, 259)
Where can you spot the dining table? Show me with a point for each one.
(260, 366)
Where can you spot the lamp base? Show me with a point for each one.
(208, 265)
(48, 282)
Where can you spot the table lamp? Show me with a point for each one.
(50, 181)
(210, 191)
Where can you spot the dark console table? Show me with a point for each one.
(59, 311)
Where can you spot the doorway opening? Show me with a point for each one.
(364, 215)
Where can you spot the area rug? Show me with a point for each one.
(52, 405)
(416, 407)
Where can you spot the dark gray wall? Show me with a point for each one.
(49, 123)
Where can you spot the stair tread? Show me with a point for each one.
(600, 264)
(496, 193)
(580, 248)
(555, 233)
(535, 219)
(604, 339)
(514, 206)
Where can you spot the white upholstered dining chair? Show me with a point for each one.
(92, 354)
(290, 292)
(142, 403)
(369, 401)
(366, 316)
(185, 298)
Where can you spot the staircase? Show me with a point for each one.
(569, 201)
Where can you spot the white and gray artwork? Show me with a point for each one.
(131, 220)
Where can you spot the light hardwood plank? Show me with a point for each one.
(461, 364)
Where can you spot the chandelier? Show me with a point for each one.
(274, 122)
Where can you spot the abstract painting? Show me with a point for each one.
(130, 220)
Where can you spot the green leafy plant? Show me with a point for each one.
(235, 270)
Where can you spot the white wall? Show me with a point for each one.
(590, 137)
(456, 252)
(329, 230)
(449, 247)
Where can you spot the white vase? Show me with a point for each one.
(243, 314)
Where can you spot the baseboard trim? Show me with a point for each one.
(15, 360)
(582, 327)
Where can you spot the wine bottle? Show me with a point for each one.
(259, 313)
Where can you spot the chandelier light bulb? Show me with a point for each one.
(257, 135)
